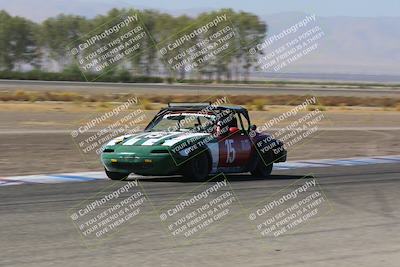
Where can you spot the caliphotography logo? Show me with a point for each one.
(199, 133)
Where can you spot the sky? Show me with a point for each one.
(39, 10)
(323, 7)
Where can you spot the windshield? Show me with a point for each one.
(183, 122)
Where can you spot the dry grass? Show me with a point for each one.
(313, 107)
(257, 104)
(146, 104)
(253, 102)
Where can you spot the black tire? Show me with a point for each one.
(263, 168)
(197, 168)
(116, 175)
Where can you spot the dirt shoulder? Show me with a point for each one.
(36, 138)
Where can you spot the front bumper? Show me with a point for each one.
(152, 164)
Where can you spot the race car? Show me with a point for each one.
(194, 140)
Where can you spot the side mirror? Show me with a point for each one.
(233, 129)
(253, 127)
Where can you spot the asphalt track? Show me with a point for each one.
(359, 227)
(102, 87)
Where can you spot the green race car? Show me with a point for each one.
(194, 140)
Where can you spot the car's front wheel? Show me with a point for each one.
(116, 175)
(197, 168)
(263, 167)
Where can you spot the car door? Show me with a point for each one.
(234, 148)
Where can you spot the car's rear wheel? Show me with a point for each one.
(263, 167)
(116, 175)
(197, 168)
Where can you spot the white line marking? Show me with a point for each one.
(92, 176)
(337, 162)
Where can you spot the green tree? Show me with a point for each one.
(23, 41)
(17, 41)
(57, 34)
(251, 31)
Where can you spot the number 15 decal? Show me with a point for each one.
(230, 151)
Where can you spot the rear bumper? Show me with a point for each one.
(279, 154)
(281, 157)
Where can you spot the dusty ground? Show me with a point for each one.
(36, 137)
(67, 116)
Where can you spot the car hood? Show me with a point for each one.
(155, 138)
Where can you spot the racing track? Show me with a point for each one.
(360, 229)
(102, 87)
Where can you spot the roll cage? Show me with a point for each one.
(203, 107)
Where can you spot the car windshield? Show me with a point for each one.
(184, 122)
